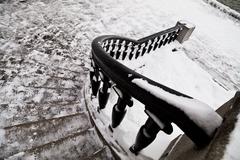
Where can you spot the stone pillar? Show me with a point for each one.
(185, 33)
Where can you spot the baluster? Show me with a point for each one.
(176, 34)
(105, 45)
(94, 79)
(156, 43)
(131, 54)
(143, 45)
(170, 37)
(103, 93)
(129, 49)
(162, 40)
(122, 49)
(107, 48)
(124, 54)
(118, 54)
(119, 109)
(115, 48)
(145, 136)
(118, 50)
(112, 53)
(150, 42)
(149, 131)
(137, 50)
(166, 39)
(110, 46)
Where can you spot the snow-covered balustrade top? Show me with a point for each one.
(163, 105)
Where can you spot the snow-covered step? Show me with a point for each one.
(42, 75)
(33, 134)
(27, 112)
(35, 66)
(51, 94)
(103, 153)
(15, 93)
(80, 145)
(41, 79)
(11, 55)
(112, 138)
(7, 74)
(64, 61)
(54, 82)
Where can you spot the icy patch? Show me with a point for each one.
(232, 149)
(202, 114)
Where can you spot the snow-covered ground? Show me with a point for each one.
(214, 44)
(213, 79)
(58, 34)
(176, 70)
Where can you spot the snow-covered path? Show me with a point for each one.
(44, 48)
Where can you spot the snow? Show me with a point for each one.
(187, 24)
(16, 156)
(38, 97)
(205, 67)
(177, 71)
(214, 46)
(2, 136)
(232, 149)
(157, 120)
(135, 117)
(202, 114)
(224, 8)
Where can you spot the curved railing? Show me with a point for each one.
(163, 105)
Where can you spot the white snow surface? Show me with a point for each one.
(232, 149)
(2, 136)
(202, 114)
(177, 71)
(224, 8)
(211, 75)
(135, 117)
(214, 46)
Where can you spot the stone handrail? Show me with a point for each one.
(163, 105)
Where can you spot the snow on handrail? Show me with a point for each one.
(163, 105)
